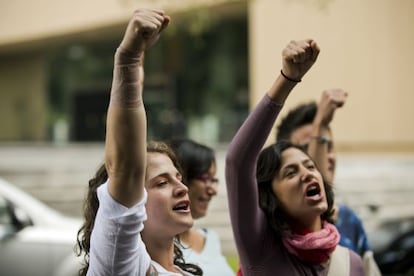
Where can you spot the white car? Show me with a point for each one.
(35, 240)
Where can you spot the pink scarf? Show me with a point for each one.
(312, 247)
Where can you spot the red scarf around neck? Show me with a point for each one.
(312, 247)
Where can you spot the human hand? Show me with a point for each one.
(298, 58)
(143, 30)
(331, 99)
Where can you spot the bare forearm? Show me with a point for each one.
(125, 145)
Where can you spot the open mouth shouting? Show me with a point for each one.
(182, 207)
(313, 192)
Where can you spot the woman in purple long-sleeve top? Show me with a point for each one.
(280, 206)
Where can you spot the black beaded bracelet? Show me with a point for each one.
(288, 78)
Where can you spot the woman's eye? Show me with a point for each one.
(290, 173)
(311, 166)
(162, 183)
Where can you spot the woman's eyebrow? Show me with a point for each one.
(165, 175)
(307, 161)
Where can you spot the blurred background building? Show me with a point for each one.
(210, 67)
(57, 60)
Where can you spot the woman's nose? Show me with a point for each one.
(331, 157)
(212, 190)
(180, 189)
(306, 174)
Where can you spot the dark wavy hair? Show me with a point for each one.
(268, 166)
(195, 159)
(90, 208)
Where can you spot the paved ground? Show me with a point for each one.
(377, 186)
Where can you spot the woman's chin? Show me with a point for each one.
(187, 224)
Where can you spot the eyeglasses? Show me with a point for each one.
(321, 140)
(207, 179)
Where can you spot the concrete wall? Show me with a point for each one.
(366, 49)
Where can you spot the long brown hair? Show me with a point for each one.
(90, 208)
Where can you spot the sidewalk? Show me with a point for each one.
(376, 186)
